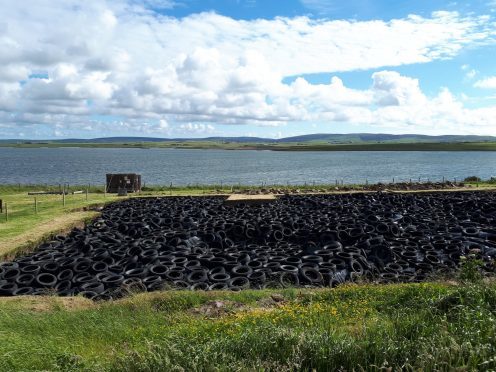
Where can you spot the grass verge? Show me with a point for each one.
(430, 326)
(27, 226)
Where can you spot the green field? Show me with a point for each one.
(287, 146)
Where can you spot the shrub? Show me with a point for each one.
(470, 269)
(472, 179)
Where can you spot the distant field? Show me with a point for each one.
(287, 146)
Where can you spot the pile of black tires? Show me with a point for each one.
(313, 240)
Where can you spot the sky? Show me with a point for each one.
(266, 68)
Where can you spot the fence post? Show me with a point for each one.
(105, 191)
(170, 189)
(35, 206)
(63, 198)
(6, 212)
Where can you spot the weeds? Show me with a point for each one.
(427, 326)
(471, 269)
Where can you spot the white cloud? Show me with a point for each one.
(471, 74)
(196, 128)
(392, 89)
(162, 74)
(486, 83)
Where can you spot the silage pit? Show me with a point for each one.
(299, 240)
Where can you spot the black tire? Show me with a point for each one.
(197, 276)
(25, 280)
(113, 280)
(46, 280)
(7, 289)
(88, 294)
(240, 282)
(203, 286)
(311, 276)
(241, 270)
(66, 274)
(23, 291)
(289, 279)
(63, 286)
(95, 287)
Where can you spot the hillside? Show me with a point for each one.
(318, 138)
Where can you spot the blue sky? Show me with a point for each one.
(196, 68)
(354, 9)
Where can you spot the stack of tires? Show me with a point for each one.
(200, 243)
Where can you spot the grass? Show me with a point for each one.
(25, 227)
(431, 326)
(287, 146)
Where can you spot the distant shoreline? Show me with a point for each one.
(207, 145)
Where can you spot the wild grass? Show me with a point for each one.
(26, 225)
(432, 326)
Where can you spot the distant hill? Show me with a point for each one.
(384, 138)
(320, 138)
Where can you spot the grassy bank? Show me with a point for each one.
(27, 225)
(286, 146)
(414, 326)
